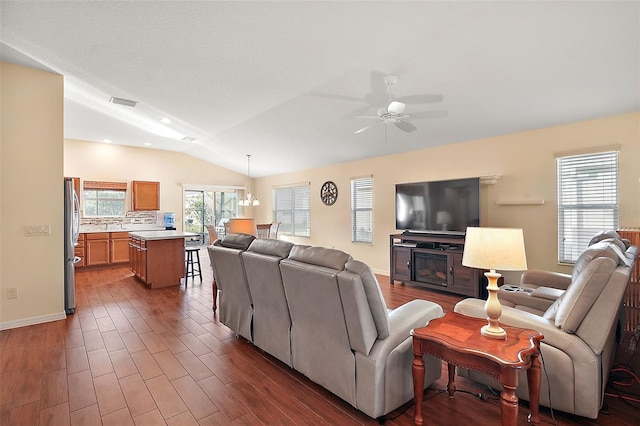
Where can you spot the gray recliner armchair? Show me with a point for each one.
(579, 326)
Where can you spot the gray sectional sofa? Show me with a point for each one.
(322, 313)
(579, 315)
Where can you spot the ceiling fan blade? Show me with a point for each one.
(362, 130)
(429, 114)
(357, 113)
(420, 99)
(365, 128)
(405, 126)
(396, 107)
(341, 97)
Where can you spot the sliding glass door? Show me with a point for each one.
(208, 207)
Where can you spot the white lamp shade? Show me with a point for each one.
(495, 249)
(243, 225)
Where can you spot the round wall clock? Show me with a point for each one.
(329, 193)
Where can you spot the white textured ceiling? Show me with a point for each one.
(281, 80)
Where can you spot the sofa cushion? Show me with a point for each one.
(374, 296)
(237, 241)
(321, 256)
(574, 304)
(277, 248)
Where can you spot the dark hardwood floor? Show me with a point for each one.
(130, 355)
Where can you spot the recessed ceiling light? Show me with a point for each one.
(125, 102)
(188, 139)
(106, 140)
(147, 144)
(165, 120)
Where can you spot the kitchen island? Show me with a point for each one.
(156, 258)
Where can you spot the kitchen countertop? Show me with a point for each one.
(162, 235)
(92, 229)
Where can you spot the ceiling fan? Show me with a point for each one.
(394, 112)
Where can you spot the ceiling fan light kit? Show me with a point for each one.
(394, 112)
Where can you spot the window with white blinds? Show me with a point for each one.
(587, 200)
(361, 210)
(291, 209)
(104, 198)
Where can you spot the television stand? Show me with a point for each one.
(434, 261)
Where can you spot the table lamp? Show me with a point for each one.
(492, 249)
(243, 225)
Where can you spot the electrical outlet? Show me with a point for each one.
(37, 230)
(12, 293)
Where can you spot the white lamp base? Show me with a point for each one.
(493, 309)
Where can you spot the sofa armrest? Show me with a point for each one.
(572, 345)
(545, 278)
(414, 314)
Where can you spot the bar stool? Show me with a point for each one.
(193, 266)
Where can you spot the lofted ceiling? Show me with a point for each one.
(289, 81)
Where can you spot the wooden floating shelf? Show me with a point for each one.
(520, 202)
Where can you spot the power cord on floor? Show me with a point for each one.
(546, 375)
(383, 419)
(623, 376)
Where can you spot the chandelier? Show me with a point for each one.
(249, 200)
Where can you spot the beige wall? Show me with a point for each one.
(108, 162)
(31, 194)
(525, 161)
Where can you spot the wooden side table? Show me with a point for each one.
(456, 339)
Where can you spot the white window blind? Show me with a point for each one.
(587, 200)
(291, 209)
(361, 210)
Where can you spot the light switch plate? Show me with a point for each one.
(37, 230)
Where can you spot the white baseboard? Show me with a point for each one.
(32, 321)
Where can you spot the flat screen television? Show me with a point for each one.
(439, 207)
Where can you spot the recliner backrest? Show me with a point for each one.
(365, 311)
(319, 338)
(588, 307)
(271, 320)
(236, 311)
(600, 249)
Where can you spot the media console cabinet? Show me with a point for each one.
(434, 262)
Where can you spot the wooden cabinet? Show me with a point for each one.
(145, 195)
(157, 263)
(138, 258)
(97, 249)
(434, 262)
(401, 263)
(103, 249)
(119, 247)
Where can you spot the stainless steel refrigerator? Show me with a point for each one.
(71, 230)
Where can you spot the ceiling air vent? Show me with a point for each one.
(188, 139)
(125, 102)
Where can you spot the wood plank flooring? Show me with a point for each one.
(130, 355)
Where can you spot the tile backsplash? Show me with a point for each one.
(132, 217)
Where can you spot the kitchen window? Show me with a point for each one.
(587, 200)
(291, 209)
(361, 210)
(104, 198)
